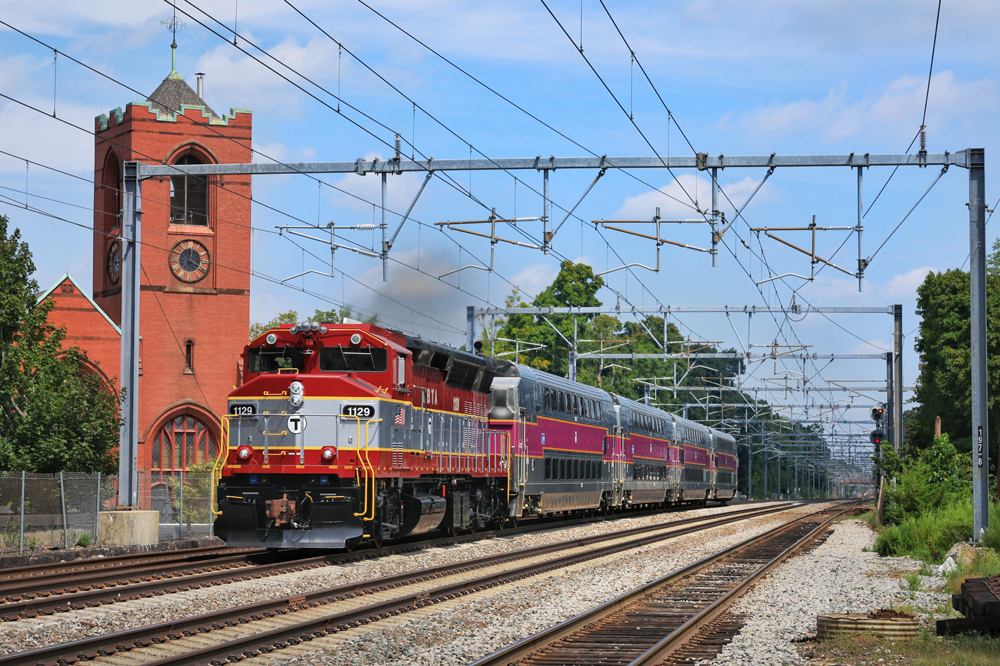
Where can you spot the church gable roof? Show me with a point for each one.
(45, 294)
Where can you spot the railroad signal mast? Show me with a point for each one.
(877, 436)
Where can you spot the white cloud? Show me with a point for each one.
(534, 278)
(904, 287)
(400, 190)
(43, 139)
(674, 199)
(276, 151)
(894, 114)
(244, 83)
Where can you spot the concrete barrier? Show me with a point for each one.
(128, 528)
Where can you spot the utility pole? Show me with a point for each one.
(128, 446)
(977, 296)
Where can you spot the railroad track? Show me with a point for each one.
(677, 619)
(46, 589)
(262, 627)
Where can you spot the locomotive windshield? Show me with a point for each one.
(275, 359)
(352, 359)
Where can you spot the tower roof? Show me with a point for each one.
(173, 92)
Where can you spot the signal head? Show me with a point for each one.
(877, 437)
(878, 413)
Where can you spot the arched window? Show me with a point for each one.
(189, 196)
(111, 181)
(180, 443)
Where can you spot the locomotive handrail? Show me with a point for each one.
(217, 466)
(357, 420)
(366, 464)
(368, 460)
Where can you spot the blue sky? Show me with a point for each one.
(740, 78)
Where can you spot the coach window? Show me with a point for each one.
(548, 468)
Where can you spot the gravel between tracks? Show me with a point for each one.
(27, 634)
(466, 629)
(840, 576)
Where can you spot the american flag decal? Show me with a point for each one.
(401, 416)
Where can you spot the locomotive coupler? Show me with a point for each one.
(281, 511)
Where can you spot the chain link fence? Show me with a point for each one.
(39, 511)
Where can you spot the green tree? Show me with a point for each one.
(57, 413)
(333, 316)
(258, 328)
(944, 385)
(577, 286)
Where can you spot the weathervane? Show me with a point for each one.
(173, 25)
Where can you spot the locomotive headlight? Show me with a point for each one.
(356, 339)
(244, 452)
(328, 452)
(271, 338)
(296, 393)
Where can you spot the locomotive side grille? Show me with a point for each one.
(462, 375)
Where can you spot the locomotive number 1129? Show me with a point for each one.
(360, 411)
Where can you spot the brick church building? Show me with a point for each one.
(195, 273)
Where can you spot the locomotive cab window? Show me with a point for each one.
(275, 359)
(352, 359)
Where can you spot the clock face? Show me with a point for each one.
(114, 266)
(189, 261)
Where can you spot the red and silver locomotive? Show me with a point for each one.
(347, 433)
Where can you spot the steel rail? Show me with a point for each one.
(60, 584)
(526, 647)
(149, 583)
(677, 639)
(38, 571)
(263, 642)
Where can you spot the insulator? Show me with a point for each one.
(923, 138)
(367, 226)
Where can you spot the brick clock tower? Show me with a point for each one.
(195, 274)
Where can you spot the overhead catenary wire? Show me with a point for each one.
(459, 187)
(206, 126)
(281, 212)
(148, 199)
(690, 145)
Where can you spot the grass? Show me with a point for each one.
(929, 535)
(986, 563)
(913, 581)
(871, 518)
(922, 651)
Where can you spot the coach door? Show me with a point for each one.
(619, 464)
(618, 457)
